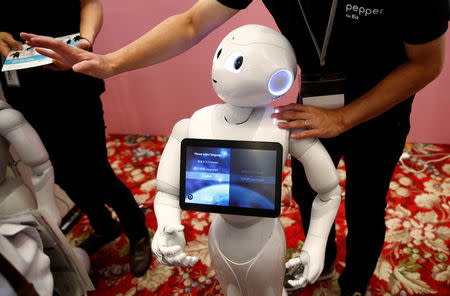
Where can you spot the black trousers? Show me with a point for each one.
(371, 152)
(66, 111)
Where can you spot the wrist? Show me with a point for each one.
(344, 121)
(88, 41)
(113, 63)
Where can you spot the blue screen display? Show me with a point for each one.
(242, 178)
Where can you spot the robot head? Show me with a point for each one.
(253, 66)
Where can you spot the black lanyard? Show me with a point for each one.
(321, 52)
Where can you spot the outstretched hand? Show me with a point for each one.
(168, 246)
(66, 56)
(315, 122)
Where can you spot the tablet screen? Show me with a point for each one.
(233, 177)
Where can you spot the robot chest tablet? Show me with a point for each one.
(231, 177)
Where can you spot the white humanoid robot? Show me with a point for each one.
(36, 207)
(253, 66)
(15, 195)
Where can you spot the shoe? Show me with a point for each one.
(95, 241)
(327, 274)
(350, 293)
(140, 256)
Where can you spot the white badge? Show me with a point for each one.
(12, 80)
(327, 102)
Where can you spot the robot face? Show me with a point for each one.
(253, 66)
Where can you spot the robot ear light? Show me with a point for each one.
(280, 82)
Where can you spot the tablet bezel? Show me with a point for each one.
(233, 144)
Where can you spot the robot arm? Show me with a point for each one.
(168, 243)
(28, 146)
(322, 177)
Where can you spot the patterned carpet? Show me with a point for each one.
(415, 258)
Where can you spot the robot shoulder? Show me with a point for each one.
(181, 129)
(204, 112)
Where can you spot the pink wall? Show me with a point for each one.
(152, 100)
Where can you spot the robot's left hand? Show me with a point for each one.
(168, 246)
(311, 271)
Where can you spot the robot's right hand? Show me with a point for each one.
(168, 246)
(310, 266)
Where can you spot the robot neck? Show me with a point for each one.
(236, 114)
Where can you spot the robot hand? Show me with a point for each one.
(312, 267)
(168, 246)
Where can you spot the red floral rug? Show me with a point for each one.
(415, 258)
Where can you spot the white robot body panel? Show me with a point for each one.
(15, 197)
(29, 148)
(4, 157)
(16, 130)
(240, 272)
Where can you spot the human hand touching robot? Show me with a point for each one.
(313, 121)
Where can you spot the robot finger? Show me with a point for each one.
(190, 261)
(179, 259)
(299, 283)
(170, 251)
(293, 262)
(163, 260)
(170, 229)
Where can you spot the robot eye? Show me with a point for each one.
(218, 52)
(238, 62)
(234, 62)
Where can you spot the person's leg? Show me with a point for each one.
(70, 124)
(371, 155)
(96, 177)
(304, 195)
(43, 107)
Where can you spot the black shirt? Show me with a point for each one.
(53, 18)
(366, 39)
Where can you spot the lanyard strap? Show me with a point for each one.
(321, 52)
